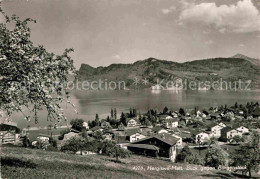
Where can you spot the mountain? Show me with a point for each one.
(228, 69)
(252, 60)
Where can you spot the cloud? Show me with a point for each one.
(168, 10)
(241, 17)
(209, 42)
(241, 45)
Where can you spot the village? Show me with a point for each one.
(162, 135)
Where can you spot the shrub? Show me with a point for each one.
(15, 162)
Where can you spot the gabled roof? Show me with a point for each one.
(166, 138)
(226, 129)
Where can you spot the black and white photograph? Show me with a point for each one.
(129, 89)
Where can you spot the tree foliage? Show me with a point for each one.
(77, 124)
(248, 155)
(31, 77)
(215, 157)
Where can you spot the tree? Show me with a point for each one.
(112, 113)
(111, 149)
(147, 122)
(77, 124)
(26, 142)
(248, 155)
(30, 76)
(236, 105)
(237, 139)
(134, 112)
(121, 127)
(115, 114)
(131, 112)
(97, 121)
(215, 157)
(75, 144)
(165, 110)
(123, 119)
(182, 112)
(49, 128)
(184, 155)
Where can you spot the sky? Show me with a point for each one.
(124, 31)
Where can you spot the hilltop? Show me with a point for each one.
(229, 69)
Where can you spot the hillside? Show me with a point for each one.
(33, 163)
(228, 69)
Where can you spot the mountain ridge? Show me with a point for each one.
(232, 68)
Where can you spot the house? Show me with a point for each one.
(168, 117)
(160, 145)
(216, 130)
(228, 133)
(137, 136)
(242, 129)
(175, 114)
(171, 123)
(7, 137)
(85, 125)
(179, 143)
(43, 138)
(96, 128)
(131, 123)
(200, 137)
(159, 130)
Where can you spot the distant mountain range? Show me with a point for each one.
(229, 69)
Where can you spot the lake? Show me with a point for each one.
(88, 103)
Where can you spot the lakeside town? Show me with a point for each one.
(186, 135)
(129, 89)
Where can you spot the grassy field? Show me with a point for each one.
(32, 163)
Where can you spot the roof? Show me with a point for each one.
(157, 129)
(95, 128)
(9, 123)
(74, 130)
(166, 138)
(129, 132)
(212, 125)
(226, 129)
(143, 146)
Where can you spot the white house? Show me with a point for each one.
(43, 138)
(131, 123)
(216, 130)
(242, 129)
(171, 123)
(85, 124)
(232, 133)
(136, 136)
(228, 133)
(201, 137)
